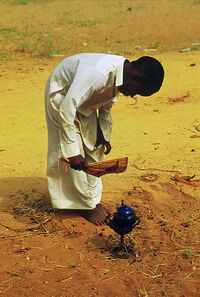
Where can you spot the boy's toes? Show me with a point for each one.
(95, 216)
(104, 208)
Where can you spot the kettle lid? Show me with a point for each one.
(126, 210)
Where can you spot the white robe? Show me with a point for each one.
(79, 86)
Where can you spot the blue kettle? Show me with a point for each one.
(124, 220)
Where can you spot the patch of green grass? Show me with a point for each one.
(188, 253)
(31, 42)
(53, 53)
(157, 44)
(138, 6)
(196, 2)
(4, 56)
(20, 2)
(48, 48)
(83, 23)
(24, 2)
(7, 32)
(195, 48)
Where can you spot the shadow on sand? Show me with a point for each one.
(22, 195)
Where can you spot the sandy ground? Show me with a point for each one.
(43, 255)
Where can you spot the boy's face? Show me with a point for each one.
(133, 87)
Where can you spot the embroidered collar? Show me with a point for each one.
(119, 75)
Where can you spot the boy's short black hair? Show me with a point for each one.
(151, 73)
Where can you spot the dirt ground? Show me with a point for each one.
(43, 255)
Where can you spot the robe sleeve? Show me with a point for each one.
(105, 119)
(85, 83)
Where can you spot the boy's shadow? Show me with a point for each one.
(28, 193)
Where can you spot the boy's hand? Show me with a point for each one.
(108, 147)
(101, 141)
(78, 163)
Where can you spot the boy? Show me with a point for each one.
(78, 98)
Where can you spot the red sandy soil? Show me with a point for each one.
(43, 255)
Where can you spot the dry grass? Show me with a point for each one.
(51, 28)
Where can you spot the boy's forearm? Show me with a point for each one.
(102, 141)
(100, 136)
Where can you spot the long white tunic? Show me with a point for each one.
(78, 87)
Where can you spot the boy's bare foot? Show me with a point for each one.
(97, 216)
(103, 207)
(65, 213)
